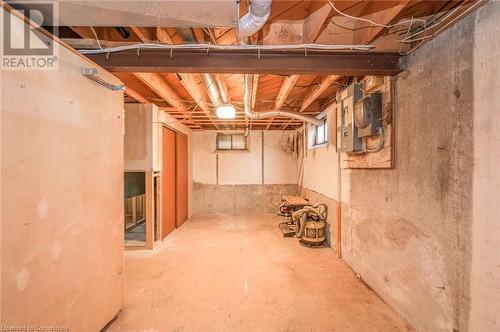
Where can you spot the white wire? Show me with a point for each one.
(96, 38)
(408, 38)
(389, 26)
(226, 47)
(441, 21)
(402, 22)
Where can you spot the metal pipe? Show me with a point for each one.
(187, 35)
(212, 88)
(270, 114)
(258, 14)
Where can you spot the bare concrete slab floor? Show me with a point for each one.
(227, 273)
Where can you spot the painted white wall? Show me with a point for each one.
(242, 167)
(139, 137)
(204, 158)
(280, 164)
(268, 163)
(321, 162)
(485, 281)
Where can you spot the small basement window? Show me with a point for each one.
(321, 132)
(231, 142)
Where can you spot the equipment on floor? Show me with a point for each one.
(310, 223)
(287, 206)
(304, 221)
(290, 204)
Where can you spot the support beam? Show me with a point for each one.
(292, 62)
(286, 87)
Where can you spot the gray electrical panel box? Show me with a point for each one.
(347, 133)
(368, 115)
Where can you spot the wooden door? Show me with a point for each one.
(181, 143)
(168, 188)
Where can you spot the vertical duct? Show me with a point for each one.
(258, 14)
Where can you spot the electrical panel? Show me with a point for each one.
(359, 114)
(368, 115)
(347, 132)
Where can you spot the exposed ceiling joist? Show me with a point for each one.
(189, 81)
(156, 83)
(318, 13)
(315, 93)
(247, 61)
(84, 32)
(286, 87)
(135, 95)
(318, 90)
(385, 17)
(194, 86)
(144, 34)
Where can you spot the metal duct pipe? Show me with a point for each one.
(187, 34)
(254, 20)
(270, 114)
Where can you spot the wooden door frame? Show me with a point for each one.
(187, 176)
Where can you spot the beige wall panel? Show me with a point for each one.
(62, 197)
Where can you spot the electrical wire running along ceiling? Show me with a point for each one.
(262, 77)
(146, 13)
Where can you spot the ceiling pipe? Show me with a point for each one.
(270, 114)
(258, 14)
(187, 35)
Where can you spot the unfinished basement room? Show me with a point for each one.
(250, 165)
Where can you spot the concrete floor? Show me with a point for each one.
(223, 273)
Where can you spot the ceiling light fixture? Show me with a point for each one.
(226, 111)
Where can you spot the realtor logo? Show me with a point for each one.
(26, 46)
